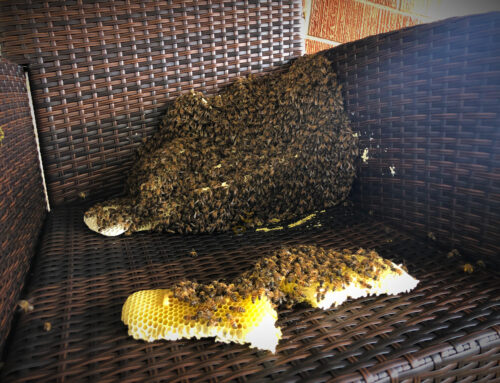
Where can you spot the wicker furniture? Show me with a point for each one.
(425, 102)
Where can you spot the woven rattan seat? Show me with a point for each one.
(447, 326)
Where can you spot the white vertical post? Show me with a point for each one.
(32, 110)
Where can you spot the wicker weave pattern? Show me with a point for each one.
(102, 71)
(447, 326)
(22, 205)
(425, 101)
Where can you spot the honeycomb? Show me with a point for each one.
(328, 295)
(243, 311)
(157, 314)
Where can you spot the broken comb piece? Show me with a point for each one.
(244, 311)
(157, 314)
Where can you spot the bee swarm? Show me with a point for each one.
(243, 310)
(278, 146)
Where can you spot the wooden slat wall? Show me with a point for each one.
(103, 71)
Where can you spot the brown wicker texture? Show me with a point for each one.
(102, 71)
(449, 326)
(425, 100)
(22, 205)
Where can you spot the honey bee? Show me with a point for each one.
(453, 253)
(237, 309)
(213, 322)
(233, 297)
(205, 313)
(233, 323)
(468, 268)
(194, 301)
(239, 229)
(25, 306)
(365, 284)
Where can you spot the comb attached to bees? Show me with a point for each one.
(265, 144)
(243, 310)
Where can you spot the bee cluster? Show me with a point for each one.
(277, 145)
(284, 276)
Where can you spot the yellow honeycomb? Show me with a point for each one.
(157, 314)
(388, 282)
(233, 313)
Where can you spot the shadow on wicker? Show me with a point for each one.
(449, 326)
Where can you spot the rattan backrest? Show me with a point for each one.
(426, 104)
(103, 71)
(22, 203)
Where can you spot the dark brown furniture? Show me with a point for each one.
(425, 101)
